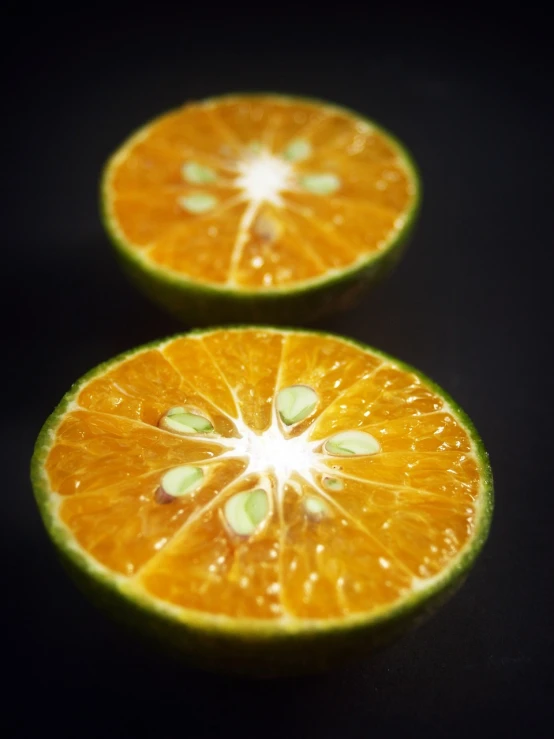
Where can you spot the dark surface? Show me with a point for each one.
(469, 305)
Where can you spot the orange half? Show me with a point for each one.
(255, 479)
(258, 194)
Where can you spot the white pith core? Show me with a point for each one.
(271, 452)
(263, 177)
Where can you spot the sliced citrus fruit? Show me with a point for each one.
(258, 207)
(264, 500)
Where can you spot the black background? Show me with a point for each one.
(470, 94)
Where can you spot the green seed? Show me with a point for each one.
(199, 202)
(333, 483)
(315, 507)
(349, 443)
(295, 403)
(257, 506)
(181, 481)
(267, 227)
(297, 150)
(198, 174)
(320, 184)
(184, 422)
(245, 511)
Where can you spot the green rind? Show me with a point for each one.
(204, 304)
(249, 646)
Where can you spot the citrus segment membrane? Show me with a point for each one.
(252, 193)
(266, 474)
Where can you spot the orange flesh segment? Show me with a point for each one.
(211, 569)
(124, 526)
(399, 516)
(332, 565)
(222, 244)
(250, 369)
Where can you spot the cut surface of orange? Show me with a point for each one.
(258, 195)
(260, 481)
